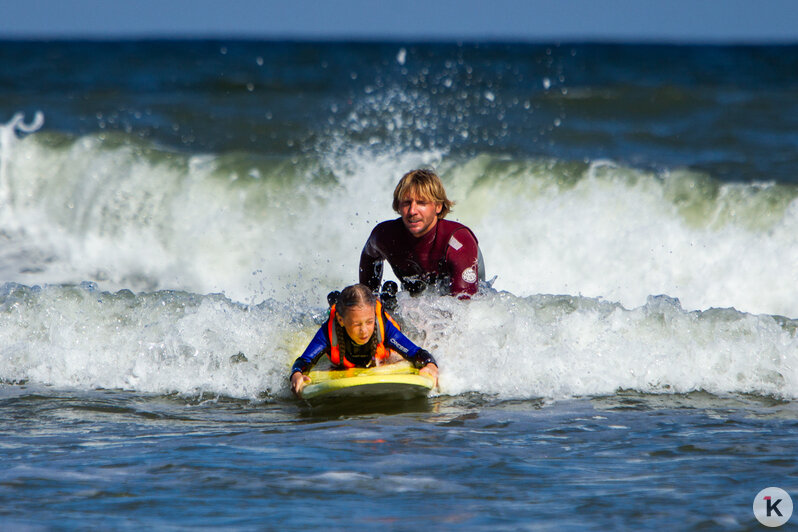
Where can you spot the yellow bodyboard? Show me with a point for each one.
(397, 380)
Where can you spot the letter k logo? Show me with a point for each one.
(774, 507)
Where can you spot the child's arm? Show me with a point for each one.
(400, 343)
(317, 347)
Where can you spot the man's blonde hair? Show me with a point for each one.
(425, 185)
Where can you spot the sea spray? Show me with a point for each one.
(497, 344)
(8, 137)
(160, 342)
(565, 346)
(604, 230)
(112, 210)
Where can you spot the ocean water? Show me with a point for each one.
(173, 213)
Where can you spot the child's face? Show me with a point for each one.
(359, 323)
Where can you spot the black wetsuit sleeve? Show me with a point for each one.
(371, 263)
(423, 357)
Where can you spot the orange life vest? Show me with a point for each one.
(379, 329)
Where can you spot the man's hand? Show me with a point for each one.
(298, 381)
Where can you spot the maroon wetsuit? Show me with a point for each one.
(447, 256)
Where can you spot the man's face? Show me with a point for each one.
(419, 215)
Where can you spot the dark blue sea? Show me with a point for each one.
(173, 213)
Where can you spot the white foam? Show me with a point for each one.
(617, 234)
(497, 344)
(163, 342)
(131, 216)
(564, 346)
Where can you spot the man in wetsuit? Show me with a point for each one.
(422, 247)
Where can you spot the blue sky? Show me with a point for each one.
(532, 20)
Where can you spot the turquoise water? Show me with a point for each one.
(173, 213)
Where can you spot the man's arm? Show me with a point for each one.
(371, 263)
(462, 258)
